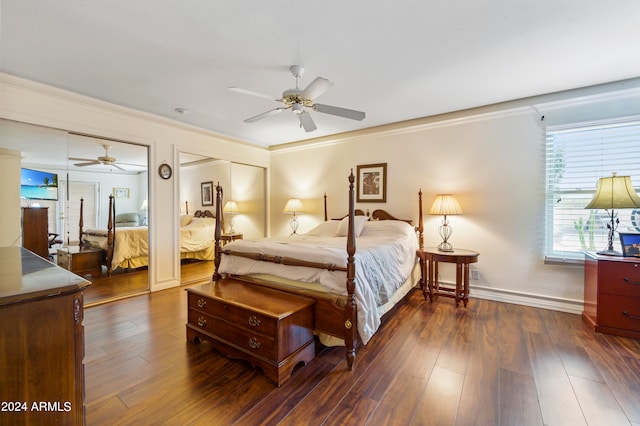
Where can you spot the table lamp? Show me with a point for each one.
(614, 192)
(293, 206)
(445, 204)
(231, 209)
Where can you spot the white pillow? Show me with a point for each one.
(185, 219)
(386, 228)
(358, 225)
(325, 229)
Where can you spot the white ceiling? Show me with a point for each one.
(394, 60)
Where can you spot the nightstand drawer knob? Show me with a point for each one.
(254, 343)
(202, 303)
(253, 321)
(633, 317)
(202, 322)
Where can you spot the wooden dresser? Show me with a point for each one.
(41, 341)
(612, 294)
(269, 328)
(35, 230)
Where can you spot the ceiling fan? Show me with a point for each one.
(299, 101)
(105, 160)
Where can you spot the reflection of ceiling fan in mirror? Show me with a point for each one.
(105, 160)
(299, 101)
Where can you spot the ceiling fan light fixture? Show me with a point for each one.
(297, 108)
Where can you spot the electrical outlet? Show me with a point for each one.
(475, 274)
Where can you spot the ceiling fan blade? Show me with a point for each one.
(316, 88)
(88, 163)
(80, 159)
(306, 122)
(264, 115)
(116, 166)
(131, 164)
(252, 93)
(340, 112)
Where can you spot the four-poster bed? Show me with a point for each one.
(335, 313)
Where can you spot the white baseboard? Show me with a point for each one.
(527, 299)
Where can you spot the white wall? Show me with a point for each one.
(492, 159)
(33, 103)
(192, 177)
(10, 195)
(248, 190)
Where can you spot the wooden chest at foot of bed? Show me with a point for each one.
(269, 328)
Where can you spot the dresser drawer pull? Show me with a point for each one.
(625, 279)
(253, 321)
(254, 343)
(202, 322)
(202, 303)
(634, 317)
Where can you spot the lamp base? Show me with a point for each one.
(609, 253)
(445, 246)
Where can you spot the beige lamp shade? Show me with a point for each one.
(614, 192)
(444, 205)
(231, 207)
(293, 205)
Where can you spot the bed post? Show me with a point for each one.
(350, 318)
(420, 227)
(218, 233)
(326, 217)
(80, 223)
(110, 233)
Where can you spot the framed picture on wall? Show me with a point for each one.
(206, 190)
(120, 192)
(372, 183)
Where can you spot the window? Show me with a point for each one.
(577, 156)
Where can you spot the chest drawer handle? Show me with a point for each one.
(254, 343)
(634, 317)
(202, 322)
(626, 279)
(202, 303)
(253, 321)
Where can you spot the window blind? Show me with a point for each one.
(576, 157)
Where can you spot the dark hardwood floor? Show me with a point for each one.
(125, 283)
(488, 364)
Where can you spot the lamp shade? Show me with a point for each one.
(445, 204)
(231, 207)
(614, 192)
(293, 206)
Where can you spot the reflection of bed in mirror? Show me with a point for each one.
(352, 290)
(128, 247)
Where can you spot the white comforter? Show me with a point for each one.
(385, 256)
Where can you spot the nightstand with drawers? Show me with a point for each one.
(81, 260)
(612, 294)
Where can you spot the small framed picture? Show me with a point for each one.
(372, 183)
(630, 244)
(206, 190)
(120, 192)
